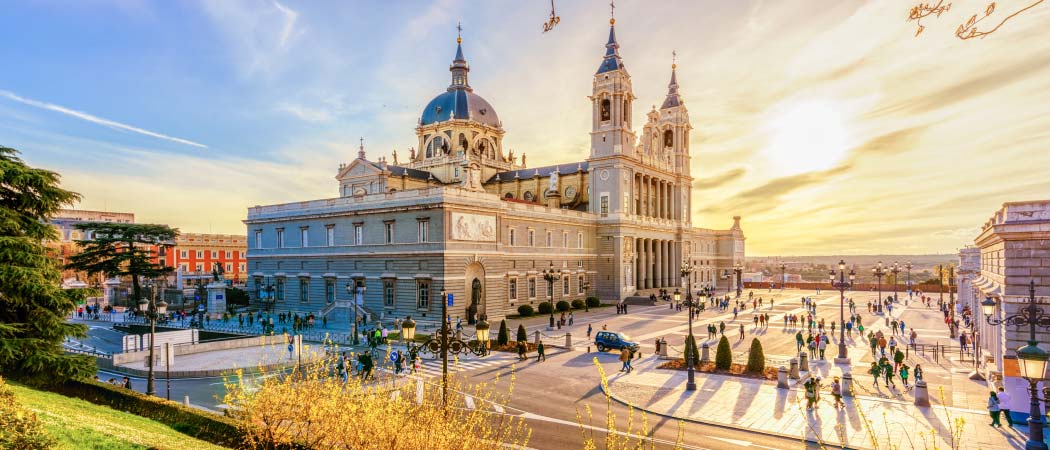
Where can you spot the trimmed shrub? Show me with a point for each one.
(522, 335)
(20, 428)
(562, 305)
(503, 338)
(545, 308)
(200, 424)
(692, 351)
(577, 304)
(593, 302)
(723, 355)
(756, 359)
(526, 310)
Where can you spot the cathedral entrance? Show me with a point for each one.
(475, 287)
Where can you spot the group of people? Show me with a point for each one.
(813, 387)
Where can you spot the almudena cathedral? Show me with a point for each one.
(465, 217)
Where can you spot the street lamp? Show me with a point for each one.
(783, 275)
(152, 310)
(896, 269)
(586, 294)
(842, 285)
(353, 305)
(739, 270)
(551, 276)
(878, 272)
(1032, 359)
(907, 267)
(444, 344)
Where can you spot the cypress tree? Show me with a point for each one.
(522, 335)
(503, 338)
(756, 359)
(723, 355)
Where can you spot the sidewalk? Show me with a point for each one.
(220, 362)
(758, 406)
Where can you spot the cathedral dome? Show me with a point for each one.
(460, 104)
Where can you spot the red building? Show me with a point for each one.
(194, 255)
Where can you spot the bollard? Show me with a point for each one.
(803, 362)
(705, 353)
(887, 321)
(922, 395)
(782, 378)
(186, 400)
(793, 373)
(847, 385)
(568, 341)
(663, 348)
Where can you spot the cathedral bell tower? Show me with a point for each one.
(611, 99)
(673, 124)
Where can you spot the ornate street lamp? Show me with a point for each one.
(586, 293)
(895, 269)
(878, 272)
(907, 267)
(353, 306)
(1031, 358)
(153, 311)
(739, 270)
(842, 285)
(551, 276)
(783, 275)
(444, 343)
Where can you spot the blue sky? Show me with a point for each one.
(828, 125)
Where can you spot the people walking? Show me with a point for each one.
(876, 372)
(540, 354)
(625, 359)
(836, 393)
(994, 409)
(1004, 406)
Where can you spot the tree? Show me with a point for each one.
(33, 306)
(522, 335)
(123, 250)
(503, 338)
(723, 355)
(756, 359)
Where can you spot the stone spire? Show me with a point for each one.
(612, 60)
(361, 150)
(459, 67)
(673, 99)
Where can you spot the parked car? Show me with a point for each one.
(611, 340)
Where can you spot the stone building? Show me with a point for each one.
(1012, 250)
(465, 216)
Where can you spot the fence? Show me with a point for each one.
(872, 287)
(938, 351)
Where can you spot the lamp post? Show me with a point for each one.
(686, 270)
(444, 344)
(1031, 358)
(783, 276)
(152, 311)
(907, 267)
(878, 272)
(952, 328)
(895, 270)
(842, 285)
(353, 306)
(739, 270)
(586, 294)
(550, 275)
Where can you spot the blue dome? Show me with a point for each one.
(459, 104)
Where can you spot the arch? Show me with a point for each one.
(528, 196)
(508, 195)
(605, 109)
(474, 291)
(463, 144)
(668, 138)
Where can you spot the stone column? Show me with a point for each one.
(643, 264)
(637, 264)
(659, 264)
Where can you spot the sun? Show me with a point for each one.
(805, 136)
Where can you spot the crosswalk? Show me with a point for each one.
(431, 367)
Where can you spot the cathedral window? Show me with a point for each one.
(605, 109)
(668, 138)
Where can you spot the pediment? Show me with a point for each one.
(358, 168)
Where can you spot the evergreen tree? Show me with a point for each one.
(123, 250)
(503, 338)
(756, 359)
(33, 306)
(723, 354)
(522, 335)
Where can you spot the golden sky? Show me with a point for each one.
(828, 126)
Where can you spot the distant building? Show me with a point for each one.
(194, 256)
(1012, 250)
(66, 246)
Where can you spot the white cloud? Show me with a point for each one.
(95, 119)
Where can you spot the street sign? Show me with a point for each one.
(393, 357)
(200, 308)
(197, 297)
(449, 299)
(218, 296)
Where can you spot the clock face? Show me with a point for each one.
(570, 192)
(604, 174)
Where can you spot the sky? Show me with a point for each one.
(830, 127)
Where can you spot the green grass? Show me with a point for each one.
(78, 424)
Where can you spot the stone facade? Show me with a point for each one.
(465, 217)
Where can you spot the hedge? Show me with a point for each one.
(545, 308)
(200, 424)
(562, 305)
(577, 304)
(593, 302)
(19, 427)
(723, 355)
(526, 310)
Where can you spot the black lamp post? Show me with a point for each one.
(551, 275)
(353, 306)
(1032, 359)
(586, 293)
(895, 270)
(739, 270)
(153, 311)
(686, 270)
(842, 285)
(907, 267)
(783, 275)
(952, 328)
(878, 272)
(444, 343)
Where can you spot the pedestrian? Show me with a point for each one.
(836, 393)
(799, 343)
(625, 358)
(340, 366)
(398, 361)
(127, 383)
(540, 355)
(521, 351)
(741, 332)
(416, 362)
(882, 345)
(887, 371)
(902, 327)
(811, 395)
(993, 409)
(898, 359)
(876, 372)
(589, 329)
(893, 345)
(913, 339)
(918, 373)
(571, 319)
(1004, 405)
(722, 328)
(822, 345)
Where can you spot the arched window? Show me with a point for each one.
(606, 106)
(508, 195)
(668, 138)
(463, 144)
(528, 196)
(626, 110)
